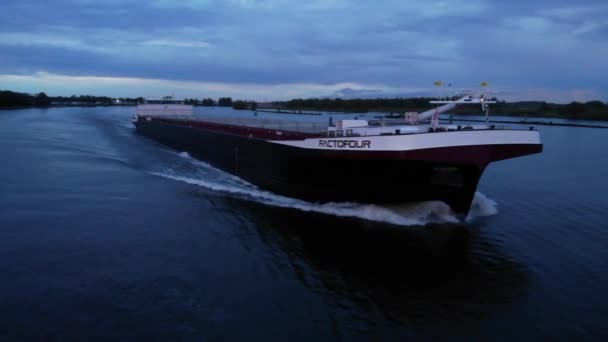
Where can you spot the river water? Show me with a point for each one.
(105, 234)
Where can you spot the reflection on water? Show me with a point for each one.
(438, 276)
(95, 245)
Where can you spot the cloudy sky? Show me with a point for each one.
(279, 49)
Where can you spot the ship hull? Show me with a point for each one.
(448, 174)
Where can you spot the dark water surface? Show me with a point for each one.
(107, 235)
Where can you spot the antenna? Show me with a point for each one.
(439, 84)
(484, 105)
(435, 113)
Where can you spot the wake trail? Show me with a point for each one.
(410, 214)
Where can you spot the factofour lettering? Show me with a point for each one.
(330, 143)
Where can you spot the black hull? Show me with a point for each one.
(324, 176)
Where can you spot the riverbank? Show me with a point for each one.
(527, 122)
(592, 110)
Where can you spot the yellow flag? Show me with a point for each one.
(438, 83)
(484, 84)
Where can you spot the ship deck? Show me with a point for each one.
(267, 128)
(271, 124)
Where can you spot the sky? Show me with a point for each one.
(549, 50)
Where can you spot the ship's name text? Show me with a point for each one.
(363, 144)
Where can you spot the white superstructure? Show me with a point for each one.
(411, 133)
(166, 106)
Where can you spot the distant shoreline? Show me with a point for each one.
(538, 123)
(64, 106)
(459, 113)
(592, 110)
(527, 119)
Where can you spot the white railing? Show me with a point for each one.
(164, 109)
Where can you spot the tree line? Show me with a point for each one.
(592, 110)
(15, 99)
(357, 105)
(223, 102)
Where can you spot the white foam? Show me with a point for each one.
(482, 206)
(218, 173)
(185, 155)
(410, 214)
(364, 211)
(128, 125)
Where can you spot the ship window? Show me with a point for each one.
(331, 134)
(450, 176)
(349, 132)
(340, 133)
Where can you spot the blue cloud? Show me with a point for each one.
(393, 43)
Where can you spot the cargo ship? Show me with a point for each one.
(412, 159)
